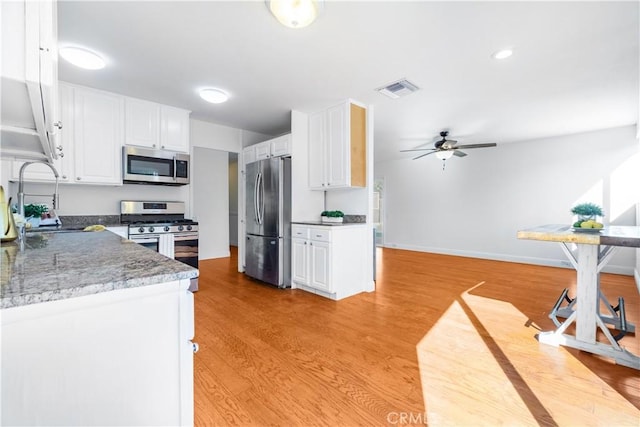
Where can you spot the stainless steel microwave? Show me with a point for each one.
(147, 166)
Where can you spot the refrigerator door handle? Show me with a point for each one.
(255, 199)
(261, 206)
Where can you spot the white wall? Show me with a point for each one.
(476, 206)
(211, 201)
(213, 142)
(77, 199)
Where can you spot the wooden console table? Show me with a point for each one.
(594, 250)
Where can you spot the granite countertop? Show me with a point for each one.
(329, 224)
(61, 265)
(614, 235)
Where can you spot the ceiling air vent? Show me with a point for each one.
(397, 89)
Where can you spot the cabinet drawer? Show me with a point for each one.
(320, 234)
(299, 231)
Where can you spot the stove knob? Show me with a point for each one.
(141, 229)
(180, 228)
(188, 228)
(151, 229)
(166, 228)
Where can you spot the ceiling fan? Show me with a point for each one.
(446, 148)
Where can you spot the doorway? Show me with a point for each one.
(378, 211)
(233, 199)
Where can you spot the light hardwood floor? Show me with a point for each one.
(444, 340)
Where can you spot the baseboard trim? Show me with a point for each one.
(549, 262)
(636, 274)
(215, 255)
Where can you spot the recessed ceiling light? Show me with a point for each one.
(81, 57)
(295, 13)
(503, 54)
(214, 96)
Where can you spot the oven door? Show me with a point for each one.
(151, 241)
(186, 248)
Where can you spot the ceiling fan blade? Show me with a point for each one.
(416, 149)
(422, 155)
(492, 144)
(459, 153)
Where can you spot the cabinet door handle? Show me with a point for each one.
(58, 125)
(78, 178)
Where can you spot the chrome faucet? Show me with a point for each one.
(21, 193)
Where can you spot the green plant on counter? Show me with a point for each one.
(332, 214)
(587, 210)
(35, 210)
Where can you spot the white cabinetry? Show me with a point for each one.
(276, 147)
(30, 118)
(97, 137)
(91, 139)
(121, 231)
(123, 357)
(329, 261)
(337, 147)
(152, 125)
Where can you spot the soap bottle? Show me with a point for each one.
(9, 231)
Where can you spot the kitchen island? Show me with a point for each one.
(594, 250)
(96, 330)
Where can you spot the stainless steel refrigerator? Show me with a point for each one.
(268, 221)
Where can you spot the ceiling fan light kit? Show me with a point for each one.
(295, 13)
(446, 148)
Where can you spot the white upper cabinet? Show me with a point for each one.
(337, 147)
(91, 138)
(97, 137)
(30, 119)
(276, 147)
(249, 155)
(174, 129)
(152, 125)
(142, 123)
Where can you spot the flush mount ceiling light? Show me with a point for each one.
(295, 13)
(503, 54)
(81, 57)
(214, 96)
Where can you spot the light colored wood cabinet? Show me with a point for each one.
(337, 147)
(157, 126)
(329, 261)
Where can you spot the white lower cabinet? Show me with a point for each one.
(329, 261)
(123, 357)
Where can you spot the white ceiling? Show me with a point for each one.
(575, 67)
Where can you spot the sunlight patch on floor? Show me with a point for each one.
(476, 368)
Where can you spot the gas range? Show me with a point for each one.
(163, 227)
(145, 217)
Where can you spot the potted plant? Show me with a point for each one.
(332, 216)
(33, 213)
(587, 215)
